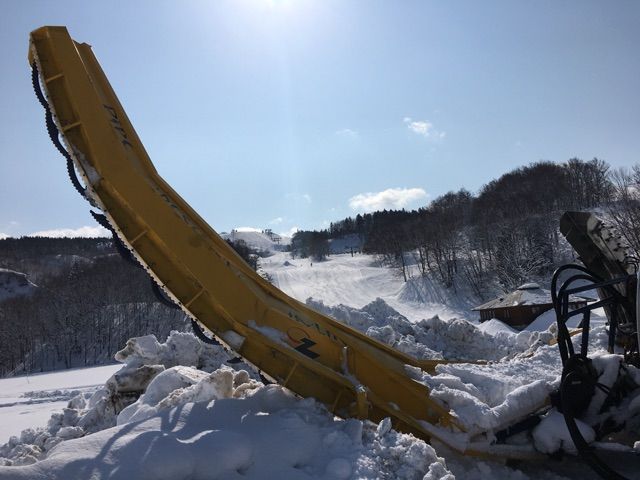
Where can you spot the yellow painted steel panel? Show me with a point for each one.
(309, 353)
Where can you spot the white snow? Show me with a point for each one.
(548, 318)
(357, 281)
(29, 401)
(193, 424)
(495, 326)
(552, 434)
(258, 239)
(177, 409)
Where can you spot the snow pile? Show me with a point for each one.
(94, 410)
(552, 434)
(53, 395)
(30, 400)
(178, 409)
(487, 398)
(162, 421)
(495, 326)
(179, 349)
(432, 338)
(548, 318)
(265, 433)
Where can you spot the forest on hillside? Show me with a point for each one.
(86, 302)
(506, 233)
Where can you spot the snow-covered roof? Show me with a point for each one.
(527, 294)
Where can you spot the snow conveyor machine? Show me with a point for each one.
(307, 352)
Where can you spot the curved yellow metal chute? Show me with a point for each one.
(303, 350)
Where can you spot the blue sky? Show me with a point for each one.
(282, 113)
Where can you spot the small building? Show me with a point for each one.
(522, 306)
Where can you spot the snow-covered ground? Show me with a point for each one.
(180, 410)
(356, 281)
(29, 401)
(258, 239)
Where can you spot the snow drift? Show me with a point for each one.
(157, 418)
(185, 409)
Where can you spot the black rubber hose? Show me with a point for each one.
(585, 451)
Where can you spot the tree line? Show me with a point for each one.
(88, 302)
(507, 232)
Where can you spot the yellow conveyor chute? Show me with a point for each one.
(303, 350)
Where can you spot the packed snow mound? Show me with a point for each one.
(267, 433)
(193, 416)
(487, 398)
(432, 338)
(95, 410)
(14, 284)
(187, 423)
(495, 326)
(548, 318)
(179, 349)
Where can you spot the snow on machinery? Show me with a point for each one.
(611, 269)
(301, 349)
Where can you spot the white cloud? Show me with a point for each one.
(391, 198)
(90, 232)
(306, 197)
(3, 236)
(347, 133)
(276, 221)
(424, 129)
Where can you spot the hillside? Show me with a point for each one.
(72, 302)
(179, 392)
(14, 284)
(358, 280)
(262, 240)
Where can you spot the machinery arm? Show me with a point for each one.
(303, 350)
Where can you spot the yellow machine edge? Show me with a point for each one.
(301, 349)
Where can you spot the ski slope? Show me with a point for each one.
(356, 281)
